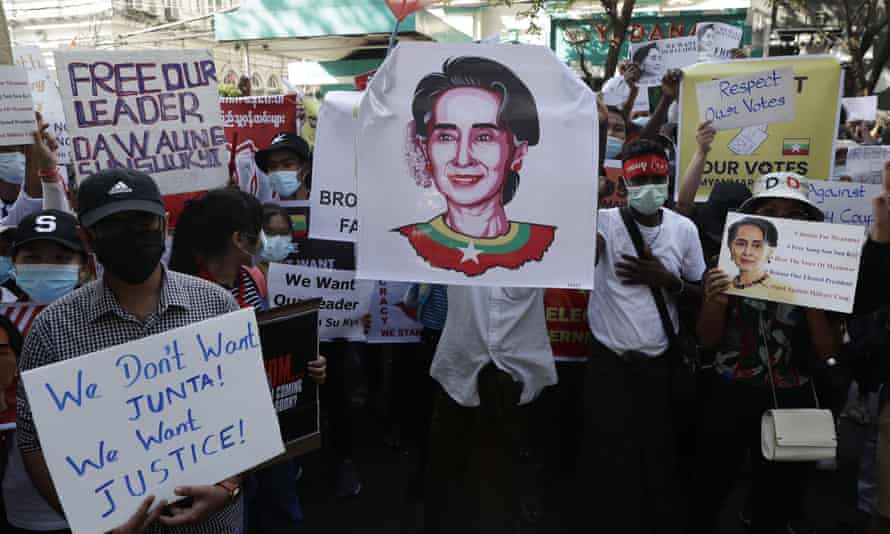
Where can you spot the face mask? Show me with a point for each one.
(646, 199)
(613, 147)
(277, 248)
(285, 183)
(132, 257)
(12, 167)
(5, 268)
(45, 283)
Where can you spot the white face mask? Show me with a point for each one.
(12, 167)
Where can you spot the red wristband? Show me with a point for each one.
(43, 173)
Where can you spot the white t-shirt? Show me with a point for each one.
(625, 318)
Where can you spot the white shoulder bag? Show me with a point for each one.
(795, 435)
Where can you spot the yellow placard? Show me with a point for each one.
(804, 145)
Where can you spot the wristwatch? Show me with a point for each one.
(234, 488)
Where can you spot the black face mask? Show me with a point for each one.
(132, 257)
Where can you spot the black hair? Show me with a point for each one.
(768, 229)
(640, 53)
(16, 340)
(701, 29)
(518, 112)
(271, 210)
(642, 147)
(206, 225)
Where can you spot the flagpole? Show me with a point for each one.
(392, 37)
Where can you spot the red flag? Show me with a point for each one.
(403, 8)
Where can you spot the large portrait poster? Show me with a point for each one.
(804, 145)
(250, 124)
(152, 110)
(477, 166)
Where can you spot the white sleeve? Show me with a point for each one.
(54, 197)
(23, 206)
(693, 269)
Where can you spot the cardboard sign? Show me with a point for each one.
(566, 313)
(655, 58)
(717, 40)
(333, 198)
(17, 120)
(865, 163)
(615, 193)
(289, 336)
(46, 96)
(748, 100)
(344, 300)
(815, 265)
(804, 145)
(152, 110)
(389, 322)
(459, 185)
(189, 406)
(844, 202)
(250, 124)
(861, 108)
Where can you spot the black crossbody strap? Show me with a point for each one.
(660, 304)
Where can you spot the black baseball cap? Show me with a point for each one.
(48, 225)
(283, 141)
(115, 190)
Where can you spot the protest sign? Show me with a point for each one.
(844, 202)
(333, 199)
(866, 163)
(614, 194)
(389, 322)
(46, 97)
(655, 58)
(804, 145)
(808, 264)
(717, 40)
(152, 110)
(289, 336)
(250, 124)
(566, 313)
(320, 253)
(344, 300)
(17, 120)
(440, 162)
(189, 406)
(754, 99)
(861, 108)
(29, 57)
(615, 92)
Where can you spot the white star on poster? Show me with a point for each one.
(470, 253)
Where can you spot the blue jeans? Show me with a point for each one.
(273, 506)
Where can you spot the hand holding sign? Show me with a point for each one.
(143, 518)
(880, 228)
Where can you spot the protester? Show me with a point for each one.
(628, 459)
(279, 235)
(287, 161)
(765, 355)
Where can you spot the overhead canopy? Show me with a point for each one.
(326, 30)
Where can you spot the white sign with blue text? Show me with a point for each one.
(748, 100)
(844, 202)
(190, 406)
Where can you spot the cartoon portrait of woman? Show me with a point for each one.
(652, 66)
(473, 125)
(752, 242)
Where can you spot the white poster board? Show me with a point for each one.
(655, 58)
(815, 265)
(433, 208)
(333, 200)
(716, 40)
(17, 120)
(210, 417)
(152, 110)
(344, 300)
(861, 108)
(747, 100)
(389, 322)
(844, 202)
(46, 96)
(865, 163)
(615, 92)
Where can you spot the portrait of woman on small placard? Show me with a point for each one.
(649, 58)
(752, 242)
(707, 41)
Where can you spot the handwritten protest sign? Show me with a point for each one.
(844, 202)
(794, 262)
(861, 108)
(344, 300)
(866, 163)
(46, 96)
(565, 311)
(389, 322)
(250, 124)
(333, 198)
(717, 40)
(17, 120)
(748, 100)
(152, 110)
(188, 406)
(655, 58)
(804, 145)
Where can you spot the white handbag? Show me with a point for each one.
(795, 435)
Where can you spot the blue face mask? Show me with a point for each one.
(45, 283)
(647, 199)
(285, 183)
(613, 147)
(5, 269)
(277, 248)
(12, 167)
